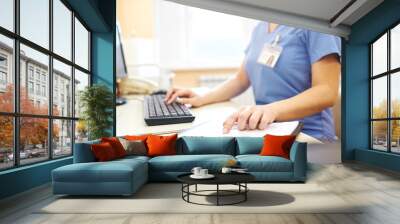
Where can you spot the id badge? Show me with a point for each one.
(270, 55)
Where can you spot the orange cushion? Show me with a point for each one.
(136, 137)
(277, 145)
(159, 145)
(116, 145)
(103, 152)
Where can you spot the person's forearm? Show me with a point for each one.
(309, 102)
(230, 88)
(225, 91)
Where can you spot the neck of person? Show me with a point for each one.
(272, 27)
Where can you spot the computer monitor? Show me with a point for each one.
(121, 69)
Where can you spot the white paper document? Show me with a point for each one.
(214, 128)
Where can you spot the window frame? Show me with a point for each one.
(3, 71)
(16, 115)
(388, 74)
(3, 77)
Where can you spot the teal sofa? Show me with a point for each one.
(125, 176)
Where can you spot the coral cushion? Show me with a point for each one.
(103, 152)
(159, 145)
(116, 145)
(277, 145)
(136, 137)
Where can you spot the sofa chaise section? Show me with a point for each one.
(102, 178)
(87, 177)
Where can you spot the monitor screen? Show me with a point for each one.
(122, 71)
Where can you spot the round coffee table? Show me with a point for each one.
(238, 179)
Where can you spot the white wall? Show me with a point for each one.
(190, 37)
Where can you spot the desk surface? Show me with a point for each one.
(130, 119)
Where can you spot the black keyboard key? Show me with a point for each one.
(165, 110)
(185, 110)
(178, 109)
(163, 106)
(157, 112)
(158, 109)
(171, 110)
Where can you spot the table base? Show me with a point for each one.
(241, 191)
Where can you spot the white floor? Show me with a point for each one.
(377, 189)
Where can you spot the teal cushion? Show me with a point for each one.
(206, 145)
(249, 145)
(132, 158)
(257, 163)
(83, 152)
(185, 163)
(111, 171)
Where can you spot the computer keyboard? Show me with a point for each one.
(157, 112)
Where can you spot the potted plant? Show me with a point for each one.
(96, 104)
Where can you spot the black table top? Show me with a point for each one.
(220, 178)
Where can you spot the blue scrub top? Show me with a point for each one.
(292, 72)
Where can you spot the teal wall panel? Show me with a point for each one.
(375, 22)
(103, 53)
(103, 61)
(380, 159)
(24, 178)
(91, 14)
(355, 83)
(356, 99)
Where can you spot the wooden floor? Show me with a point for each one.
(379, 189)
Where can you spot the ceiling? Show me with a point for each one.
(319, 9)
(328, 16)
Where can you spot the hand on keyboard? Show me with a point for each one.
(183, 96)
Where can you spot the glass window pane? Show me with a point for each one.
(395, 47)
(395, 94)
(33, 140)
(62, 138)
(81, 82)
(35, 21)
(379, 56)
(379, 135)
(6, 74)
(81, 45)
(62, 29)
(81, 131)
(34, 96)
(379, 98)
(62, 89)
(7, 14)
(395, 136)
(6, 142)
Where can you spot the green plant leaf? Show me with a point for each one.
(97, 105)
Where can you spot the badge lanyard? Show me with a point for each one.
(270, 53)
